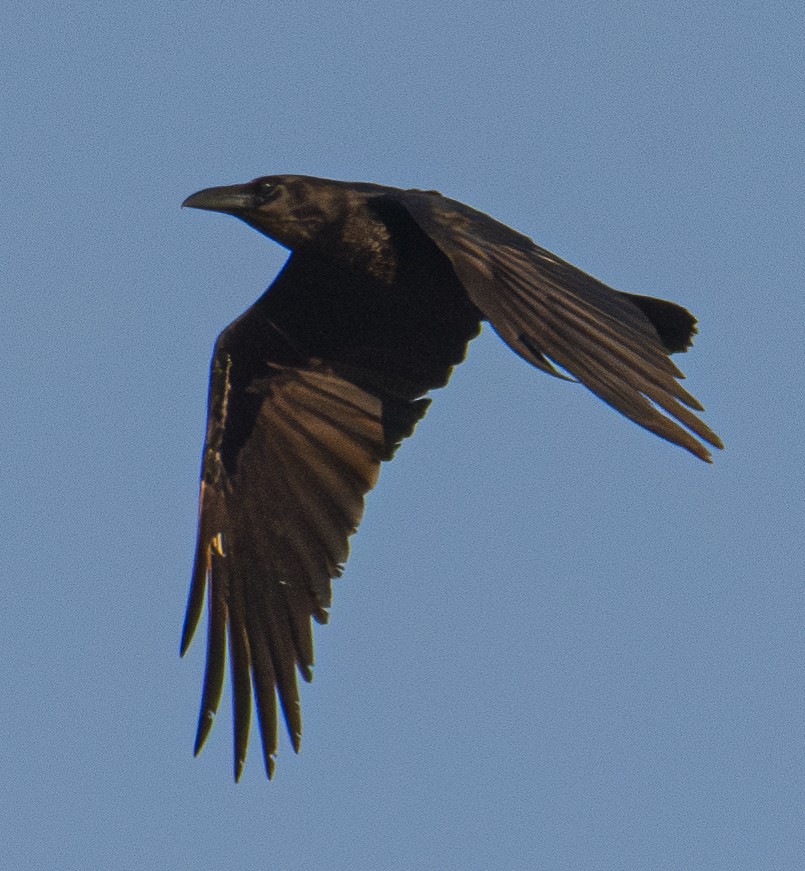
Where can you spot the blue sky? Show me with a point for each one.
(560, 643)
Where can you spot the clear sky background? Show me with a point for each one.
(560, 642)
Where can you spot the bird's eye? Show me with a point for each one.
(266, 191)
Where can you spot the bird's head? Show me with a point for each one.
(290, 209)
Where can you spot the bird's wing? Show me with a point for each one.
(292, 447)
(550, 312)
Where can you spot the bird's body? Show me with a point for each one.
(325, 374)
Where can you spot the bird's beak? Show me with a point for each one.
(230, 199)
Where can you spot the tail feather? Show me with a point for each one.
(674, 324)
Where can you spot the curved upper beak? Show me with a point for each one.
(229, 198)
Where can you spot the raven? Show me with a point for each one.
(324, 376)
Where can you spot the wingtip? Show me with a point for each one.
(698, 450)
(706, 455)
(195, 599)
(205, 722)
(713, 440)
(184, 643)
(296, 741)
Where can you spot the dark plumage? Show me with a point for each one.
(324, 375)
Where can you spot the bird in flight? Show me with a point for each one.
(323, 377)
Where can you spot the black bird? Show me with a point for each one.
(325, 374)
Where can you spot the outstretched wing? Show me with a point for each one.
(294, 442)
(274, 528)
(550, 312)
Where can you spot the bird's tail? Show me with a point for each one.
(674, 324)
